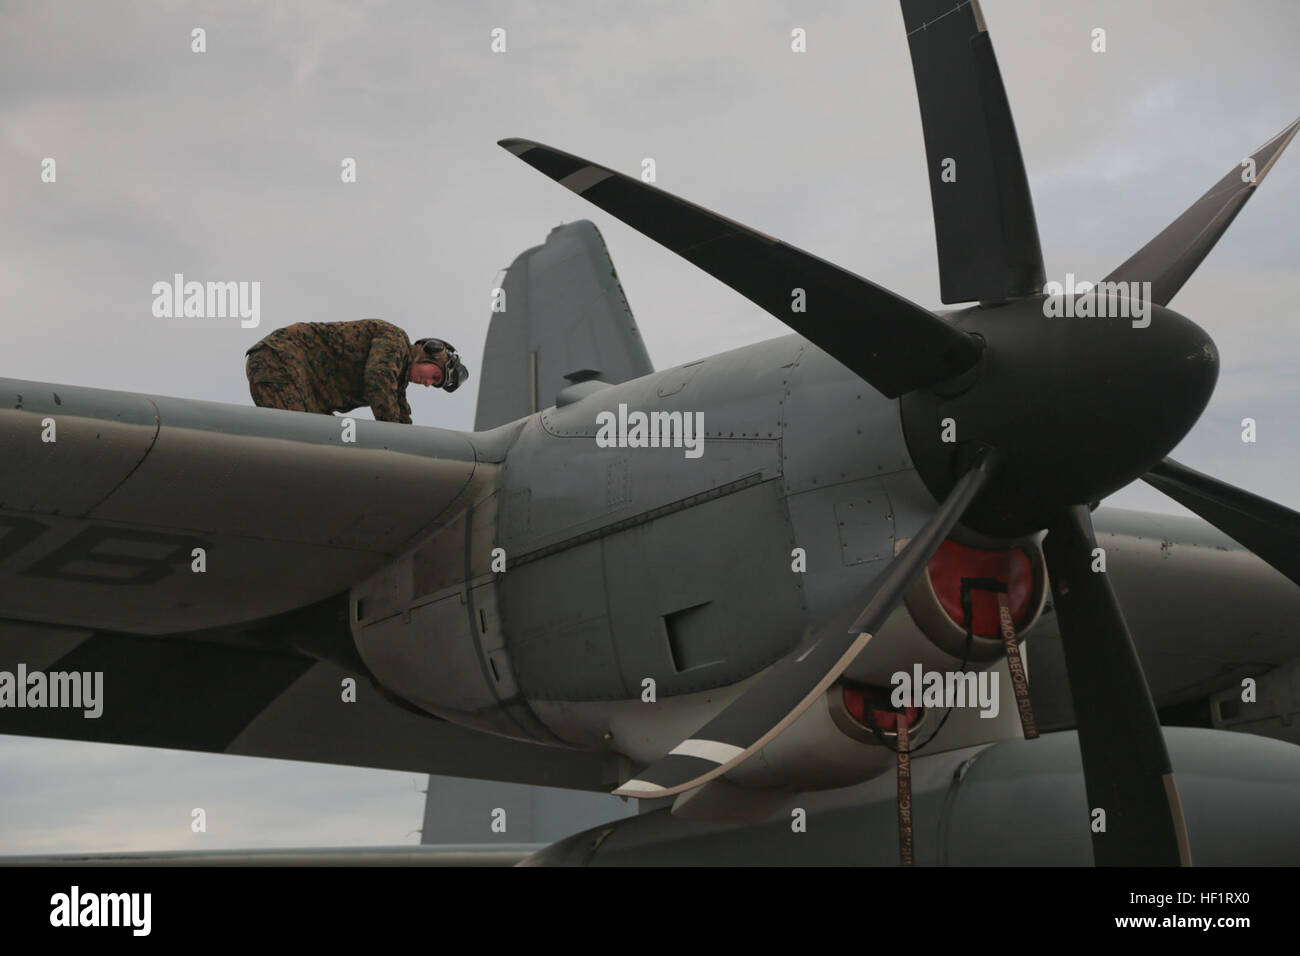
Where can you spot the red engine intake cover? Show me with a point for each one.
(858, 700)
(1011, 566)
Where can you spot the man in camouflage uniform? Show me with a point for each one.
(338, 366)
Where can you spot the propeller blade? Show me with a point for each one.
(893, 344)
(1126, 767)
(1169, 260)
(1266, 528)
(984, 222)
(787, 689)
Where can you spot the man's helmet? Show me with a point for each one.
(443, 354)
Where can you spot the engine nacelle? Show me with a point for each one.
(922, 651)
(930, 629)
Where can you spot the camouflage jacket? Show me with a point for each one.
(340, 366)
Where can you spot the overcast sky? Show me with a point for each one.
(225, 165)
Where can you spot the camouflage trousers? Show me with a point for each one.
(276, 383)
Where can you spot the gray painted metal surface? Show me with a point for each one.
(256, 700)
(1204, 613)
(624, 561)
(565, 312)
(99, 525)
(1033, 788)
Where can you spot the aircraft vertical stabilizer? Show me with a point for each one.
(563, 319)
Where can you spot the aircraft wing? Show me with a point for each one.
(199, 556)
(104, 497)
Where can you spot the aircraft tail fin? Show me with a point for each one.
(564, 319)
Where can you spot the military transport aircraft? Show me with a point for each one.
(696, 586)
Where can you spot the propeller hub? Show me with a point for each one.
(1078, 406)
